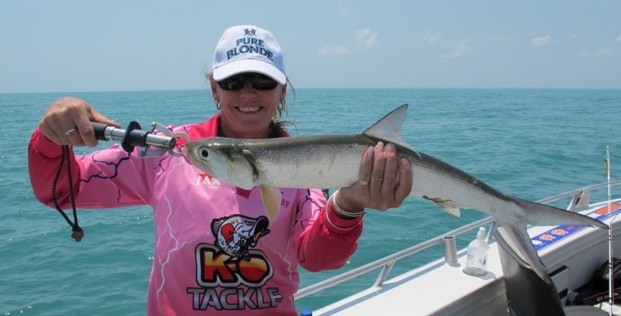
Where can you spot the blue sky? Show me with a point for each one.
(64, 46)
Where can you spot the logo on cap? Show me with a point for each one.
(249, 45)
(248, 48)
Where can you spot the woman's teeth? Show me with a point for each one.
(249, 109)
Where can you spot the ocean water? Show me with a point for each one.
(528, 143)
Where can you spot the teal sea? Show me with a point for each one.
(529, 143)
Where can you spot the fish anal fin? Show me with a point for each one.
(448, 205)
(271, 201)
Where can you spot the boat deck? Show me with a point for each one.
(429, 290)
(439, 288)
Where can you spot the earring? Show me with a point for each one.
(218, 106)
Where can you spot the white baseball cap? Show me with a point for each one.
(248, 48)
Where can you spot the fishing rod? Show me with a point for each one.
(158, 140)
(154, 142)
(611, 274)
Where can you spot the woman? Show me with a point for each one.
(215, 248)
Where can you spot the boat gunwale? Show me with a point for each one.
(389, 261)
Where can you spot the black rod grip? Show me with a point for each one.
(99, 129)
(134, 136)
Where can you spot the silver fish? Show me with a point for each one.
(333, 161)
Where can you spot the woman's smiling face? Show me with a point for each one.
(247, 112)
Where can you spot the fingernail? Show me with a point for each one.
(390, 148)
(380, 147)
(404, 162)
(370, 152)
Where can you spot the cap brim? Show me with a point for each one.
(248, 65)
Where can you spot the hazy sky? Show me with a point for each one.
(64, 46)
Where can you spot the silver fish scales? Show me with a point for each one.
(332, 161)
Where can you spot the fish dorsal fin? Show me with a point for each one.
(389, 127)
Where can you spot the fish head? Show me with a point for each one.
(225, 159)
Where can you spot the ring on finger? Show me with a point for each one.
(363, 183)
(69, 130)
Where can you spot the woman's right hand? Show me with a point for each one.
(67, 121)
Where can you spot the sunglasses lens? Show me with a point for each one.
(232, 83)
(258, 82)
(263, 82)
(266, 83)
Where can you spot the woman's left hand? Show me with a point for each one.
(385, 181)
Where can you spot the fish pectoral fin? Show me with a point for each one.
(448, 205)
(271, 201)
(253, 162)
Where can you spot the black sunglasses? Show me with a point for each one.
(258, 82)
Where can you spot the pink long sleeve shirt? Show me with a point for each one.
(215, 252)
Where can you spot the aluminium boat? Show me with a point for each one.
(574, 256)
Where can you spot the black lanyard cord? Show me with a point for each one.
(78, 233)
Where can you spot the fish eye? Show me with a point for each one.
(204, 153)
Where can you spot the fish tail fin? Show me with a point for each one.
(547, 215)
(517, 243)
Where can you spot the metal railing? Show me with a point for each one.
(580, 198)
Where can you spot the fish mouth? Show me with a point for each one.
(186, 151)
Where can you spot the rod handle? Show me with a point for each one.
(100, 129)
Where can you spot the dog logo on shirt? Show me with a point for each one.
(236, 234)
(230, 274)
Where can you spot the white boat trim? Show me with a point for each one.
(441, 288)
